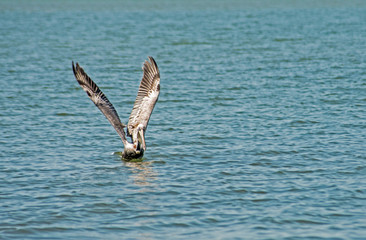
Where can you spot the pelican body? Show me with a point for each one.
(146, 99)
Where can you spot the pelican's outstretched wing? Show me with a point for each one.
(99, 99)
(146, 97)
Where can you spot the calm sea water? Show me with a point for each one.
(259, 132)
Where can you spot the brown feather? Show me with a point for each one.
(147, 96)
(99, 99)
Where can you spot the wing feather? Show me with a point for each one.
(99, 99)
(147, 96)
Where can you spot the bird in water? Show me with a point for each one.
(147, 96)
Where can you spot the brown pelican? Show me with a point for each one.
(147, 96)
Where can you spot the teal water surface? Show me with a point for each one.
(259, 131)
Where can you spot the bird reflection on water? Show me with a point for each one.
(142, 173)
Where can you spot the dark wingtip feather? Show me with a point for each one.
(80, 70)
(76, 68)
(152, 60)
(151, 65)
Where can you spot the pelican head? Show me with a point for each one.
(137, 148)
